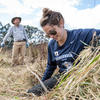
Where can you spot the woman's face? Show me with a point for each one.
(54, 31)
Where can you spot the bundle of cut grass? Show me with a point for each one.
(82, 82)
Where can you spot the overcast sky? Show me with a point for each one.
(77, 13)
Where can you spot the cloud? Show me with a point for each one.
(13, 7)
(88, 18)
(53, 4)
(32, 9)
(75, 18)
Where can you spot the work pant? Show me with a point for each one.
(18, 53)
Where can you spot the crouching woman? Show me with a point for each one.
(64, 47)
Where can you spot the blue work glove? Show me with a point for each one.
(27, 44)
(2, 44)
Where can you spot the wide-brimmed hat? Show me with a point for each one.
(13, 19)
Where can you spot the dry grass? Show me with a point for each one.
(82, 82)
(15, 81)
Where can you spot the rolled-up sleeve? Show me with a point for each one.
(9, 33)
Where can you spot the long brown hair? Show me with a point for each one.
(50, 17)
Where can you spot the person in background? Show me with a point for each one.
(20, 41)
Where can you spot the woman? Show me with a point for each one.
(64, 47)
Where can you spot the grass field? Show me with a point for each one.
(15, 81)
(82, 82)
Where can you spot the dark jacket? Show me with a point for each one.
(68, 52)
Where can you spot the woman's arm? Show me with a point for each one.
(51, 66)
(48, 72)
